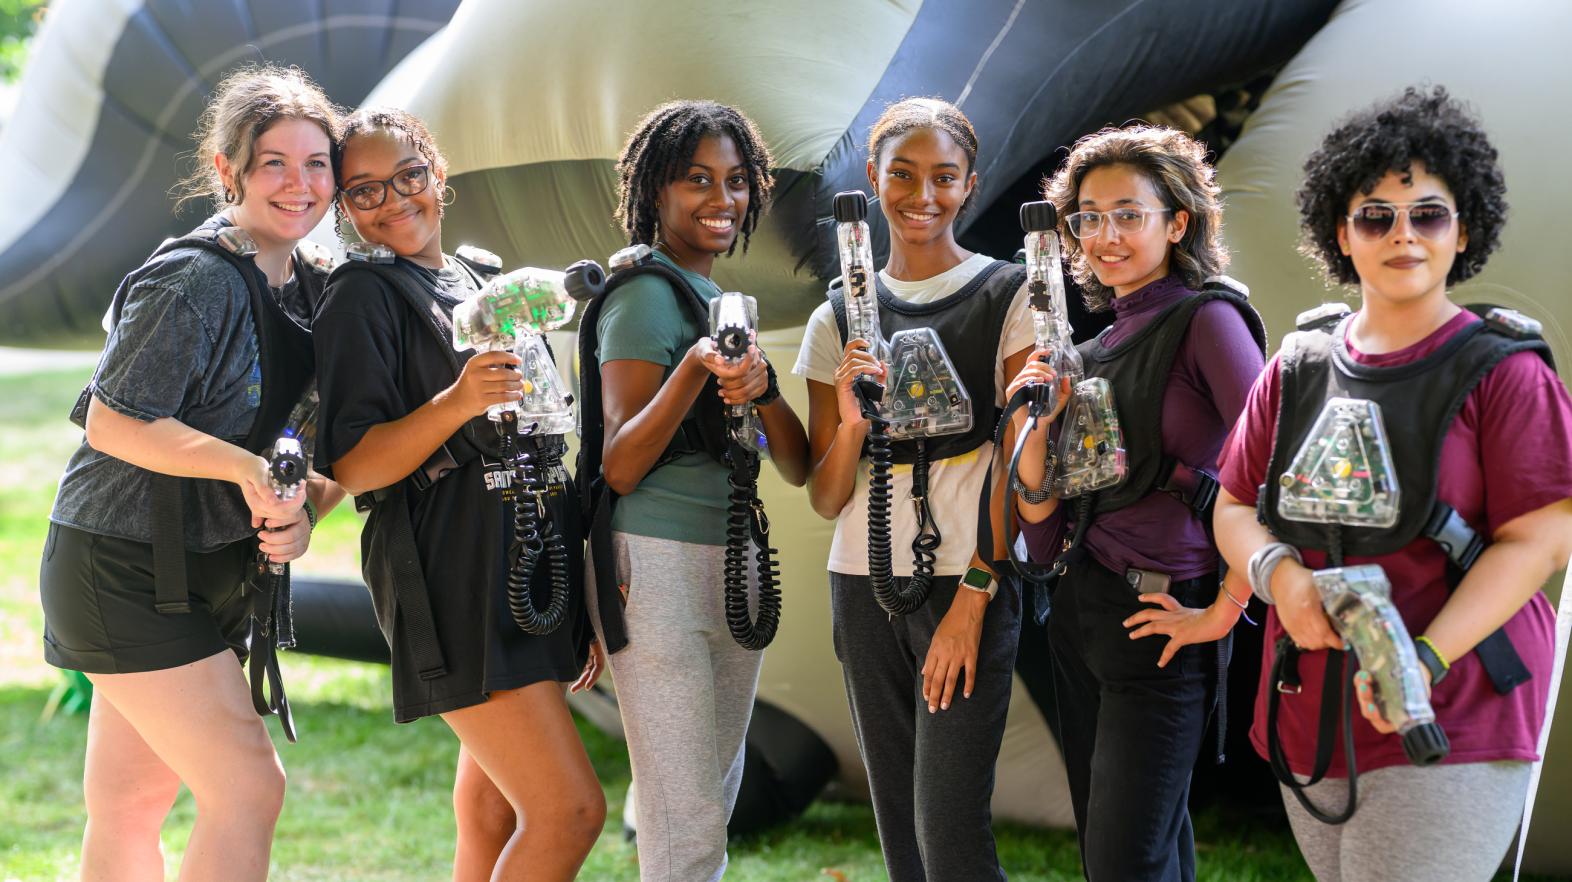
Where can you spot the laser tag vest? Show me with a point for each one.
(970, 323)
(1138, 370)
(473, 438)
(1418, 402)
(284, 356)
(392, 559)
(703, 430)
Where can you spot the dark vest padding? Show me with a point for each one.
(1418, 401)
(703, 430)
(969, 323)
(476, 437)
(1138, 370)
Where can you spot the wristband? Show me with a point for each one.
(1431, 657)
(772, 391)
(1044, 492)
(311, 514)
(1265, 562)
(1244, 608)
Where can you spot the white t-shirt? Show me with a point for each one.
(953, 484)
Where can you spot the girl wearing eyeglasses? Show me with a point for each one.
(1406, 199)
(1140, 222)
(405, 432)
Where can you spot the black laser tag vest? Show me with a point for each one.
(286, 361)
(391, 557)
(969, 323)
(1418, 401)
(1138, 370)
(703, 430)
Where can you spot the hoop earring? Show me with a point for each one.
(449, 195)
(229, 196)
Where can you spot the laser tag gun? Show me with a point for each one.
(1343, 472)
(1342, 475)
(1045, 296)
(512, 313)
(1358, 600)
(734, 321)
(1091, 445)
(923, 397)
(862, 302)
(272, 610)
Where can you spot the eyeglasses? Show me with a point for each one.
(1089, 224)
(1374, 220)
(410, 181)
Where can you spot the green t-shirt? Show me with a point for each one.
(684, 500)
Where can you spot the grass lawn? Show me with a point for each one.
(369, 800)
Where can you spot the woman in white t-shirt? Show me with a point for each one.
(929, 746)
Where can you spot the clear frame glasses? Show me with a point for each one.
(1127, 220)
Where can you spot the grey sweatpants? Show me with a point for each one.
(1450, 823)
(685, 689)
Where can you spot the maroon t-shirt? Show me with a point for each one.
(1207, 386)
(1508, 453)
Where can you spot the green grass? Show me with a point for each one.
(369, 800)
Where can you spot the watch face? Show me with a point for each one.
(977, 578)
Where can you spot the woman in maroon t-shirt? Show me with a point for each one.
(1404, 200)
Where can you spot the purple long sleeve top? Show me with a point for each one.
(1212, 373)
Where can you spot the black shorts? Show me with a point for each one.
(97, 594)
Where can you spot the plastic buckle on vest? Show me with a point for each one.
(236, 241)
(1446, 528)
(370, 252)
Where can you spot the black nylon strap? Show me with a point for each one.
(171, 594)
(608, 594)
(418, 625)
(1463, 546)
(267, 681)
(1337, 695)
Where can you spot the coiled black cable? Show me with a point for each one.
(745, 521)
(533, 536)
(895, 601)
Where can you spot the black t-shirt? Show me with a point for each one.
(378, 361)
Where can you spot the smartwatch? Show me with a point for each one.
(981, 581)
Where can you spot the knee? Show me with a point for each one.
(481, 810)
(252, 783)
(130, 804)
(577, 819)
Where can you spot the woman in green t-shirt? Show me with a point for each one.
(693, 175)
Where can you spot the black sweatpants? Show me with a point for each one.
(931, 775)
(1130, 731)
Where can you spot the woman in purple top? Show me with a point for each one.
(1404, 200)
(1140, 221)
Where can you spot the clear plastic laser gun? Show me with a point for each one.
(513, 313)
(1359, 602)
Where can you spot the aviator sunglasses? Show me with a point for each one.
(1374, 220)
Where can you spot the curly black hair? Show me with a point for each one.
(386, 119)
(910, 114)
(660, 150)
(1424, 126)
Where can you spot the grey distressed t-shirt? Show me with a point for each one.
(184, 347)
